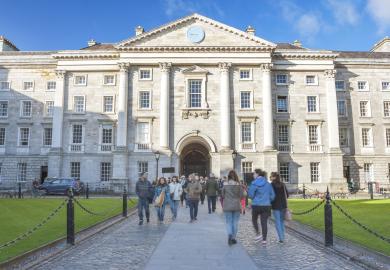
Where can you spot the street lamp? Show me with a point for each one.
(234, 156)
(157, 156)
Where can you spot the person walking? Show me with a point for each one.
(232, 194)
(262, 194)
(175, 190)
(279, 205)
(243, 200)
(193, 195)
(220, 186)
(211, 192)
(183, 197)
(202, 182)
(161, 198)
(144, 191)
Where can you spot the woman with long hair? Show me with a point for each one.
(161, 198)
(232, 193)
(279, 205)
(176, 190)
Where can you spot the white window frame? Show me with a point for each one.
(5, 138)
(346, 136)
(44, 137)
(5, 116)
(317, 103)
(384, 107)
(28, 138)
(82, 135)
(368, 109)
(387, 137)
(103, 104)
(9, 85)
(28, 89)
(21, 171)
(105, 175)
(381, 86)
(370, 137)
(288, 171)
(139, 99)
(315, 83)
(46, 109)
(318, 170)
(287, 103)
(250, 99)
(203, 104)
(21, 109)
(340, 89)
(74, 107)
(245, 69)
(137, 133)
(80, 84)
(252, 121)
(78, 176)
(366, 89)
(281, 74)
(109, 84)
(51, 89)
(145, 69)
(141, 168)
(319, 139)
(368, 171)
(345, 108)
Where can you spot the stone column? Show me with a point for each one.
(164, 105)
(55, 154)
(331, 106)
(267, 107)
(225, 106)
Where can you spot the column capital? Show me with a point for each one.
(266, 67)
(123, 66)
(60, 74)
(165, 66)
(330, 73)
(224, 67)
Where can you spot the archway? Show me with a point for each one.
(195, 158)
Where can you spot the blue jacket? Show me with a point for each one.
(159, 189)
(261, 192)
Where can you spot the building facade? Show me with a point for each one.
(196, 90)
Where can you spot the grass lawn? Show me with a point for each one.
(20, 215)
(375, 214)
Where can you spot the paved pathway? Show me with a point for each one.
(201, 245)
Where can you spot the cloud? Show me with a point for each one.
(179, 7)
(308, 25)
(345, 12)
(380, 11)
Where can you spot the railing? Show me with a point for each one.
(314, 148)
(285, 147)
(76, 148)
(106, 147)
(247, 146)
(143, 146)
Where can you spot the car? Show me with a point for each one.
(61, 186)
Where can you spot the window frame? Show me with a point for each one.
(5, 89)
(5, 116)
(139, 99)
(201, 93)
(31, 89)
(368, 109)
(317, 104)
(78, 174)
(5, 136)
(145, 69)
(44, 137)
(381, 85)
(370, 137)
(339, 89)
(140, 165)
(20, 136)
(288, 171)
(281, 74)
(72, 135)
(46, 114)
(21, 108)
(250, 99)
(345, 108)
(387, 136)
(80, 84)
(384, 108)
(104, 104)
(346, 137)
(287, 103)
(49, 89)
(106, 177)
(250, 78)
(109, 84)
(366, 89)
(315, 83)
(74, 107)
(318, 172)
(370, 172)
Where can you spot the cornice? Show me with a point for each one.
(86, 55)
(304, 55)
(186, 49)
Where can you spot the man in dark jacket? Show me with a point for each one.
(144, 190)
(212, 192)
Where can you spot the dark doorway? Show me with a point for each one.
(195, 158)
(43, 173)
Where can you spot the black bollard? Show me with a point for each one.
(124, 210)
(87, 192)
(371, 190)
(304, 191)
(328, 221)
(19, 190)
(70, 219)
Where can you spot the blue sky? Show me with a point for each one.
(321, 24)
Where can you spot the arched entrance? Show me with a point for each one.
(195, 158)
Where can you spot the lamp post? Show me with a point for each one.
(234, 156)
(157, 156)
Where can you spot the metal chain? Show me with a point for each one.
(310, 210)
(92, 212)
(364, 227)
(31, 231)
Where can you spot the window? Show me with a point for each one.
(387, 135)
(386, 108)
(247, 171)
(4, 86)
(195, 93)
(245, 99)
(313, 134)
(79, 104)
(77, 133)
(281, 104)
(26, 108)
(80, 80)
(281, 79)
(364, 108)
(366, 137)
(108, 104)
(311, 80)
(75, 170)
(343, 137)
(245, 74)
(109, 80)
(143, 133)
(142, 167)
(24, 134)
(22, 171)
(47, 136)
(312, 104)
(49, 105)
(145, 74)
(105, 171)
(284, 171)
(386, 86)
(362, 85)
(340, 85)
(246, 132)
(28, 86)
(107, 134)
(144, 99)
(368, 169)
(315, 172)
(3, 108)
(283, 136)
(341, 108)
(51, 86)
(2, 136)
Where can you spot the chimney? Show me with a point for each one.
(91, 42)
(250, 30)
(139, 30)
(297, 43)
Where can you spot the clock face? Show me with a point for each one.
(195, 34)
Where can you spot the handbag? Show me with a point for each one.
(160, 198)
(287, 212)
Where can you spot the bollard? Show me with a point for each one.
(70, 219)
(19, 190)
(304, 191)
(87, 192)
(328, 221)
(371, 190)
(124, 210)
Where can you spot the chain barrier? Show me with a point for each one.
(364, 227)
(36, 227)
(104, 213)
(310, 210)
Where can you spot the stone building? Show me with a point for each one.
(196, 91)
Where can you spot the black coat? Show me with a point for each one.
(280, 201)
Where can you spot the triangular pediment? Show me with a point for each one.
(175, 34)
(195, 70)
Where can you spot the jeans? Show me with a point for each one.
(161, 212)
(193, 204)
(143, 203)
(264, 212)
(279, 222)
(174, 207)
(211, 203)
(232, 218)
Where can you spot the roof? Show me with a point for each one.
(100, 46)
(288, 46)
(9, 43)
(370, 55)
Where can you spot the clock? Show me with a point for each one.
(195, 34)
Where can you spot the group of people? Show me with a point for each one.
(234, 194)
